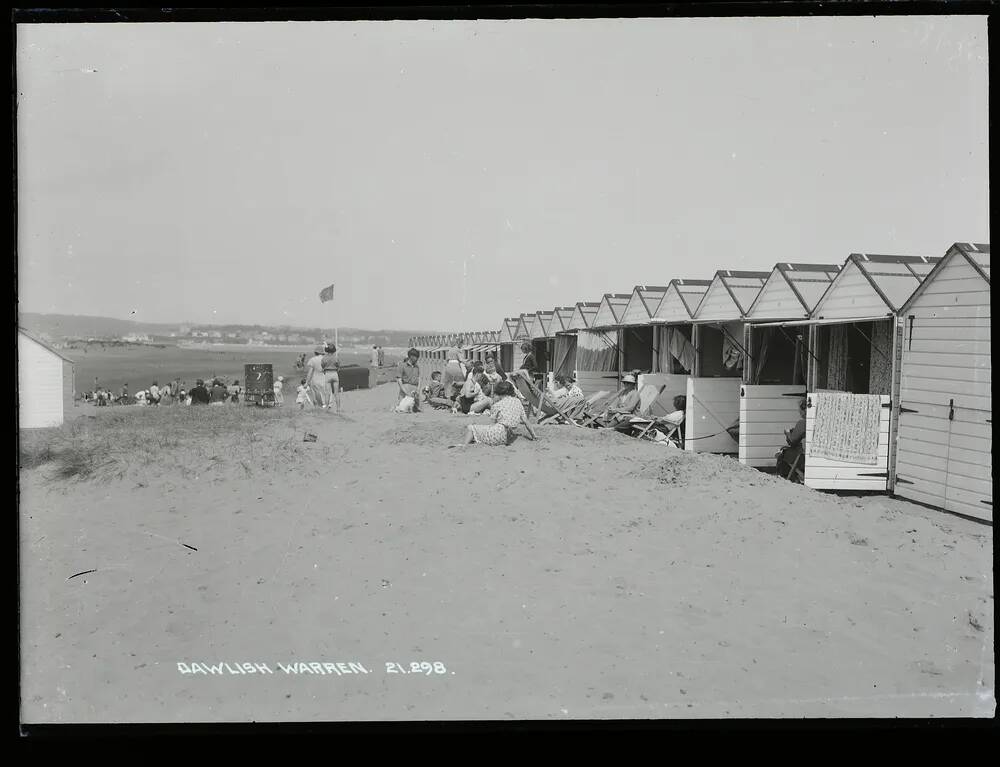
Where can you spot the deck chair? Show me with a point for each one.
(548, 409)
(616, 417)
(796, 473)
(673, 431)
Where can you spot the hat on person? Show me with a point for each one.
(281, 378)
(628, 378)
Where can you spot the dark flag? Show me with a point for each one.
(326, 294)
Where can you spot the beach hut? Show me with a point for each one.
(598, 353)
(774, 373)
(945, 416)
(673, 353)
(854, 347)
(713, 388)
(509, 343)
(521, 334)
(564, 341)
(542, 339)
(580, 318)
(45, 383)
(637, 332)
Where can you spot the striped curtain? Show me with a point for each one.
(880, 378)
(596, 350)
(836, 365)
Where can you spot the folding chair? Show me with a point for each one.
(673, 431)
(796, 474)
(537, 399)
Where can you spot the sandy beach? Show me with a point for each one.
(583, 576)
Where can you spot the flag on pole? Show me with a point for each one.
(326, 294)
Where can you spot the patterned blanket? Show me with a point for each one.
(846, 427)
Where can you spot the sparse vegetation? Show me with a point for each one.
(135, 442)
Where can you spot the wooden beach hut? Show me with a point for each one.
(713, 388)
(507, 336)
(46, 386)
(542, 339)
(564, 341)
(580, 319)
(855, 344)
(637, 332)
(774, 373)
(672, 324)
(945, 420)
(598, 351)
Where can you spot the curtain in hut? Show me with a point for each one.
(565, 355)
(836, 367)
(761, 357)
(674, 345)
(661, 349)
(596, 350)
(732, 353)
(880, 367)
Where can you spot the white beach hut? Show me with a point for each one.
(774, 373)
(598, 360)
(854, 349)
(45, 383)
(563, 341)
(713, 388)
(637, 331)
(945, 423)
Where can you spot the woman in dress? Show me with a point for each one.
(331, 368)
(507, 412)
(455, 371)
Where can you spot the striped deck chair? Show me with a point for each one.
(548, 410)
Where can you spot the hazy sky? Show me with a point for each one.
(446, 175)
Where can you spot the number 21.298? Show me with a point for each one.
(423, 667)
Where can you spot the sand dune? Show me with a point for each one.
(586, 575)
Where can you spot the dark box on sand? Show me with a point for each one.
(354, 377)
(258, 381)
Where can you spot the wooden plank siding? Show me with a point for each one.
(945, 435)
(827, 474)
(766, 410)
(713, 404)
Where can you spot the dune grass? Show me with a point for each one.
(136, 441)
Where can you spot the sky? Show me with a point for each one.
(447, 174)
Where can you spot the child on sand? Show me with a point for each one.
(434, 393)
(302, 397)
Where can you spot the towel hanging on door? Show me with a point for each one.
(846, 427)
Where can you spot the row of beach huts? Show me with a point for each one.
(745, 347)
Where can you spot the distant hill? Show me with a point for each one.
(59, 326)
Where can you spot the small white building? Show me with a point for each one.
(45, 383)
(945, 430)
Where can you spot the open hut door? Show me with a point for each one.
(597, 361)
(774, 384)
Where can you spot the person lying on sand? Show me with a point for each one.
(508, 413)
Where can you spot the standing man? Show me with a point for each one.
(409, 379)
(154, 393)
(316, 379)
(381, 357)
(374, 356)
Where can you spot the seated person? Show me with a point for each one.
(482, 400)
(558, 387)
(472, 392)
(219, 394)
(199, 394)
(434, 394)
(493, 376)
(624, 404)
(786, 457)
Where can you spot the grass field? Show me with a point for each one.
(140, 366)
